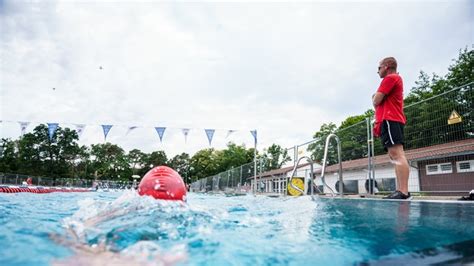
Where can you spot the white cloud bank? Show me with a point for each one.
(282, 68)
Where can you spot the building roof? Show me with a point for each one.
(426, 153)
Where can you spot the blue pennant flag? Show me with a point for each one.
(254, 134)
(161, 132)
(210, 134)
(106, 129)
(51, 129)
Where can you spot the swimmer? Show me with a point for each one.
(161, 183)
(102, 255)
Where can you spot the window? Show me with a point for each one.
(441, 168)
(430, 169)
(465, 166)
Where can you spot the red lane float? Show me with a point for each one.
(39, 190)
(163, 183)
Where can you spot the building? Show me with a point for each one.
(444, 168)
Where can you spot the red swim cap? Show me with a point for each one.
(164, 183)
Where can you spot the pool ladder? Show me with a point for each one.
(323, 169)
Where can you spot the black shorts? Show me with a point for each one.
(391, 133)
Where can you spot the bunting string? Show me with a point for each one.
(106, 129)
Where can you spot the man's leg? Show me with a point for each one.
(402, 169)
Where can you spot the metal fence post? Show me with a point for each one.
(369, 157)
(295, 154)
(372, 166)
(241, 175)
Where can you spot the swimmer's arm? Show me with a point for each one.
(76, 245)
(377, 98)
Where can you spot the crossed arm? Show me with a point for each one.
(377, 98)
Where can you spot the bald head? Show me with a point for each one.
(390, 63)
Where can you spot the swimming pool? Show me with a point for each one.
(244, 230)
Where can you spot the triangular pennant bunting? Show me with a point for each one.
(210, 134)
(254, 134)
(23, 126)
(51, 129)
(79, 129)
(106, 129)
(130, 129)
(185, 133)
(229, 132)
(161, 132)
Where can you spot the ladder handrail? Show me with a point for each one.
(310, 161)
(323, 169)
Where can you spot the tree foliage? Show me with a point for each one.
(182, 164)
(274, 157)
(317, 147)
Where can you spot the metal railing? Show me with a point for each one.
(427, 128)
(323, 170)
(310, 180)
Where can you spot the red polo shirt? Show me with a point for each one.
(391, 107)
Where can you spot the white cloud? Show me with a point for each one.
(283, 68)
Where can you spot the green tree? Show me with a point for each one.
(109, 162)
(274, 157)
(317, 147)
(33, 152)
(83, 164)
(136, 158)
(8, 156)
(461, 72)
(353, 136)
(204, 163)
(67, 150)
(181, 163)
(153, 159)
(427, 115)
(233, 156)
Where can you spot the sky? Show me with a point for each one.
(281, 68)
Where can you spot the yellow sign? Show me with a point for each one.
(454, 118)
(296, 187)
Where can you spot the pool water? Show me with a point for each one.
(62, 228)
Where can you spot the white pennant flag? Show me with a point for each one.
(130, 129)
(79, 129)
(23, 126)
(229, 132)
(185, 133)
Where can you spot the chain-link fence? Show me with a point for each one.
(439, 145)
(17, 180)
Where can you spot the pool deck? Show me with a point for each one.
(379, 197)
